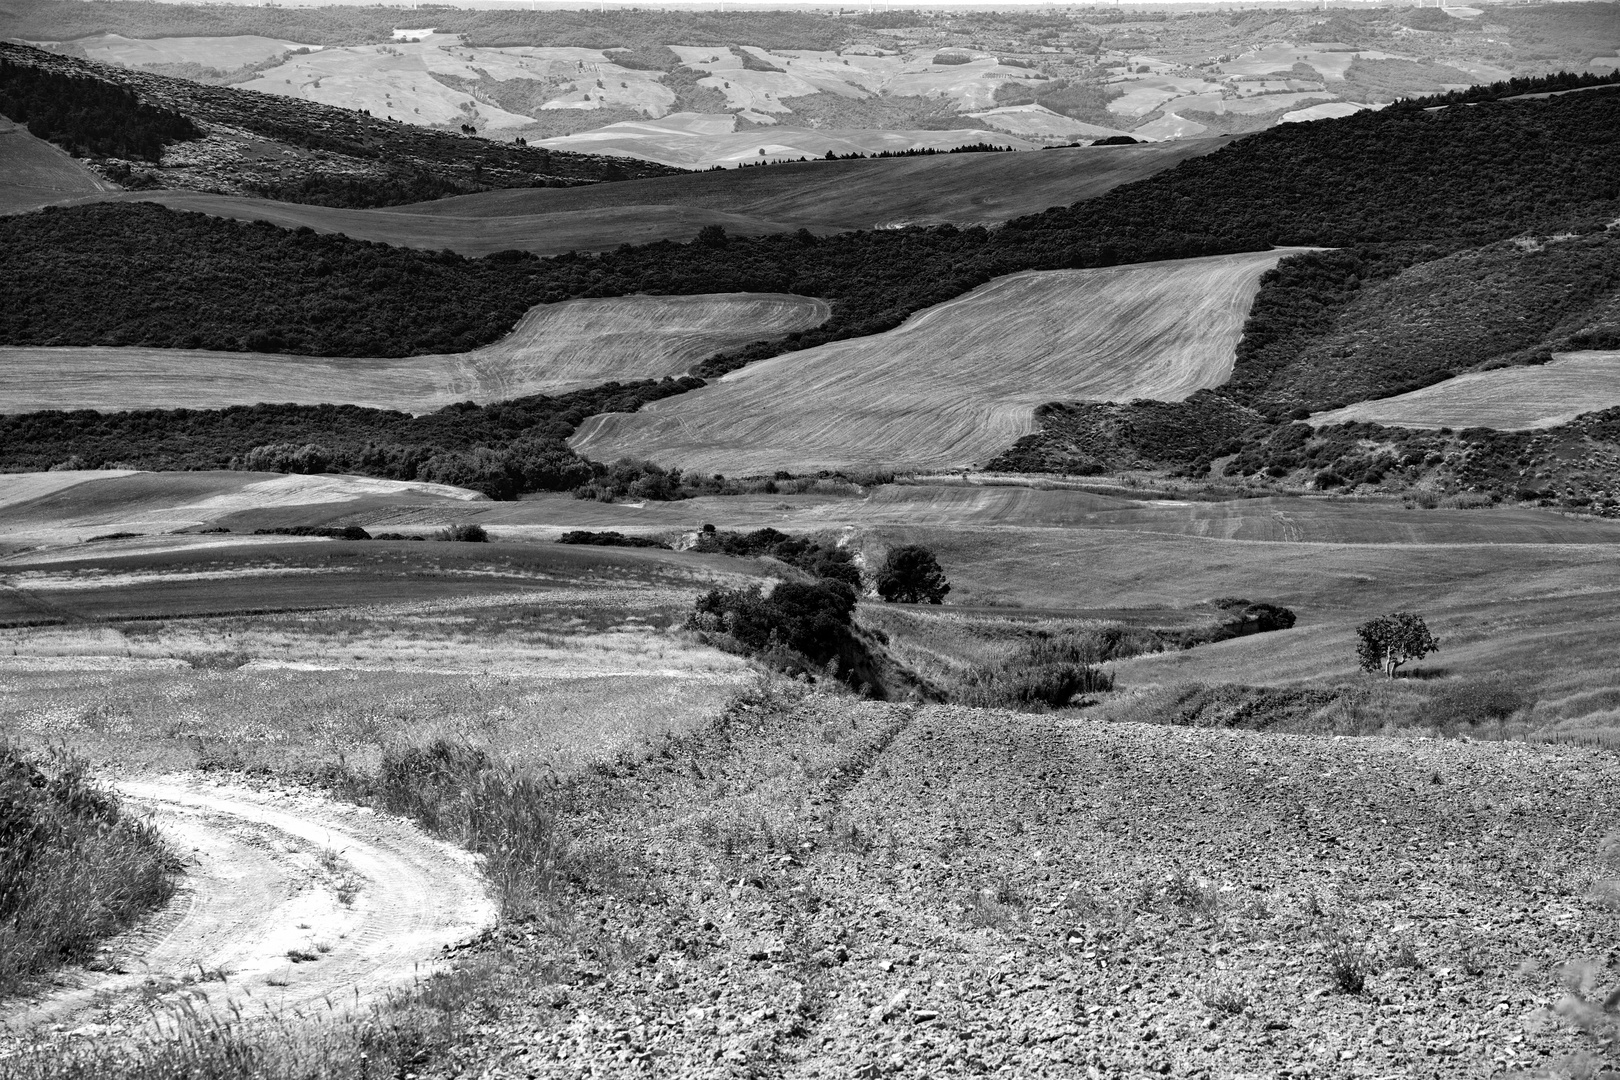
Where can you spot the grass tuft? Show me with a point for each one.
(74, 868)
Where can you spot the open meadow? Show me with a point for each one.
(553, 349)
(960, 381)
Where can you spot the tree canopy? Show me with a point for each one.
(911, 575)
(1391, 640)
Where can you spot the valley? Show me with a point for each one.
(490, 585)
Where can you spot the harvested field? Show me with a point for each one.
(1507, 399)
(33, 173)
(72, 506)
(960, 381)
(823, 196)
(553, 349)
(224, 53)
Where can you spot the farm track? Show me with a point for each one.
(269, 874)
(960, 381)
(553, 349)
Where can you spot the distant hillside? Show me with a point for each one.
(297, 151)
(64, 20)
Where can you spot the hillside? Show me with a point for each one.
(34, 173)
(959, 381)
(554, 349)
(1383, 330)
(1541, 166)
(1507, 399)
(823, 196)
(259, 144)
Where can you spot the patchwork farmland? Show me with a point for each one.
(959, 381)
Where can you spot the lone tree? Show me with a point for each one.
(1392, 640)
(911, 575)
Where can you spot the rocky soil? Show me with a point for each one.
(824, 887)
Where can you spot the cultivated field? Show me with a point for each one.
(690, 141)
(73, 506)
(223, 53)
(1508, 399)
(960, 381)
(33, 173)
(553, 349)
(823, 196)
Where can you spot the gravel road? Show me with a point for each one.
(288, 900)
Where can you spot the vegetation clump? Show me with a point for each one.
(911, 574)
(89, 117)
(1391, 640)
(74, 867)
(825, 562)
(609, 539)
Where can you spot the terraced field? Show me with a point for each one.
(823, 196)
(1508, 399)
(553, 349)
(959, 381)
(33, 173)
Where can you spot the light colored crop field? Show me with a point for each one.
(959, 382)
(673, 141)
(1508, 399)
(33, 173)
(823, 196)
(553, 349)
(72, 506)
(225, 53)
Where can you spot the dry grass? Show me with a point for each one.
(553, 349)
(960, 381)
(1508, 399)
(74, 869)
(33, 173)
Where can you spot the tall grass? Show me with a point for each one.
(74, 868)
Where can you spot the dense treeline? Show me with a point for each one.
(1451, 179)
(502, 449)
(88, 117)
(138, 274)
(1524, 84)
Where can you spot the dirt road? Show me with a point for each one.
(288, 900)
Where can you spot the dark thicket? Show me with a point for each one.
(88, 117)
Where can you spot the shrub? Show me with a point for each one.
(609, 539)
(73, 869)
(910, 574)
(466, 533)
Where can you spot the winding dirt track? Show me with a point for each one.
(369, 899)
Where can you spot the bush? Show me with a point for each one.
(823, 561)
(73, 869)
(464, 533)
(812, 620)
(609, 539)
(911, 575)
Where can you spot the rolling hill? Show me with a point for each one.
(1507, 399)
(823, 196)
(553, 349)
(33, 173)
(957, 382)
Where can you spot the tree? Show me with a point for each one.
(1391, 640)
(911, 575)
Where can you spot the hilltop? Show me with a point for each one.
(236, 141)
